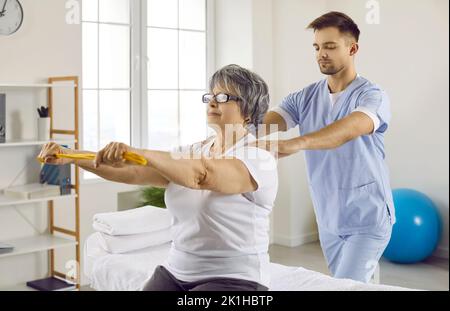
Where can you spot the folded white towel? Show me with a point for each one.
(129, 243)
(135, 221)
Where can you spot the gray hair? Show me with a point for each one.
(249, 87)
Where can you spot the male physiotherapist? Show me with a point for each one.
(342, 121)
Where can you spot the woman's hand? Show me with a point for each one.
(49, 152)
(112, 155)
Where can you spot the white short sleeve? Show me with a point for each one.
(370, 114)
(376, 101)
(290, 122)
(262, 166)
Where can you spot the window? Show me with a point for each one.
(106, 32)
(176, 72)
(144, 71)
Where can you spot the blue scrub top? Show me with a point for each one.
(349, 185)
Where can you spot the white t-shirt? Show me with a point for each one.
(218, 235)
(334, 97)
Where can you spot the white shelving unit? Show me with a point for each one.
(38, 243)
(31, 142)
(18, 288)
(7, 201)
(46, 242)
(36, 85)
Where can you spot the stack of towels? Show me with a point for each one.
(135, 229)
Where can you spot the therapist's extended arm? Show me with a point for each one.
(273, 123)
(228, 176)
(331, 137)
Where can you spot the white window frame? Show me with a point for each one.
(132, 26)
(210, 61)
(138, 72)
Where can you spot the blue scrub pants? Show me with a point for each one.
(354, 256)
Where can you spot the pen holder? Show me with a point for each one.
(44, 129)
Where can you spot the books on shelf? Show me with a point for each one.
(52, 284)
(32, 191)
(57, 175)
(5, 248)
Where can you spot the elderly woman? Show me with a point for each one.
(220, 191)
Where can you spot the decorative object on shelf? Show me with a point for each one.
(43, 124)
(11, 16)
(57, 175)
(5, 248)
(32, 191)
(52, 284)
(153, 196)
(43, 112)
(2, 118)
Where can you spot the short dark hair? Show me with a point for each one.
(339, 20)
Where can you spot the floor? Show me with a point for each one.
(429, 275)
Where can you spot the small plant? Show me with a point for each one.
(153, 196)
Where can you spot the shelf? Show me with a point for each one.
(36, 85)
(37, 244)
(32, 142)
(6, 201)
(25, 288)
(18, 288)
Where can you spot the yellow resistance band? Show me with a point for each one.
(129, 156)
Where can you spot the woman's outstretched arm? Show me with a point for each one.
(228, 176)
(130, 174)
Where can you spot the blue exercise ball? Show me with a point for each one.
(417, 231)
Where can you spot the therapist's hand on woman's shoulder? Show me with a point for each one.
(49, 152)
(112, 154)
(280, 148)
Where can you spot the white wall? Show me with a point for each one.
(294, 68)
(233, 33)
(243, 35)
(44, 46)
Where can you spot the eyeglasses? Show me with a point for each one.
(220, 98)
